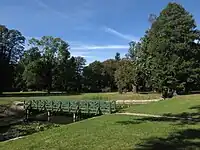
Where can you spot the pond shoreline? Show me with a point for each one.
(20, 127)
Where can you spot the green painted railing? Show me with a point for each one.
(72, 106)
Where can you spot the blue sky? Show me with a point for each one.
(95, 29)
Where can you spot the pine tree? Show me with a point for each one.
(173, 54)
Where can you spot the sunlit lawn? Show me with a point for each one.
(178, 104)
(124, 132)
(111, 132)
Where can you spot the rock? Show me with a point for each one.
(17, 108)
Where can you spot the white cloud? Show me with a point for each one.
(44, 5)
(40, 3)
(88, 50)
(74, 13)
(94, 47)
(81, 54)
(77, 45)
(124, 36)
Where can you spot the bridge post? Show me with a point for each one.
(74, 117)
(49, 115)
(27, 114)
(110, 108)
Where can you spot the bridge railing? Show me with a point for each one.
(72, 106)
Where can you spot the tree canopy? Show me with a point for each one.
(11, 49)
(172, 53)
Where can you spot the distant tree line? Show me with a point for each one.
(47, 65)
(166, 59)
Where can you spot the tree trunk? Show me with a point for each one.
(120, 90)
(134, 88)
(48, 91)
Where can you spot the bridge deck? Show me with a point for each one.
(72, 106)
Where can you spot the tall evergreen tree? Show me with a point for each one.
(173, 54)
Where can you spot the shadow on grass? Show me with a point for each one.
(187, 139)
(185, 117)
(179, 119)
(196, 107)
(128, 122)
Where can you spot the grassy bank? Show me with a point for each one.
(179, 104)
(111, 132)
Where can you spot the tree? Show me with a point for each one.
(30, 70)
(79, 65)
(33, 75)
(152, 18)
(19, 83)
(51, 48)
(173, 55)
(30, 55)
(11, 49)
(109, 68)
(125, 75)
(94, 77)
(117, 56)
(131, 51)
(136, 53)
(61, 71)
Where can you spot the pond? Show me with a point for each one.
(36, 123)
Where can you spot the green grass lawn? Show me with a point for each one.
(179, 104)
(86, 96)
(124, 132)
(111, 132)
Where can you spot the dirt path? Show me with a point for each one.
(138, 101)
(146, 115)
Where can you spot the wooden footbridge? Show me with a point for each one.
(71, 106)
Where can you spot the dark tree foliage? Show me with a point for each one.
(79, 66)
(11, 49)
(54, 51)
(99, 76)
(125, 75)
(94, 77)
(25, 69)
(117, 56)
(109, 68)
